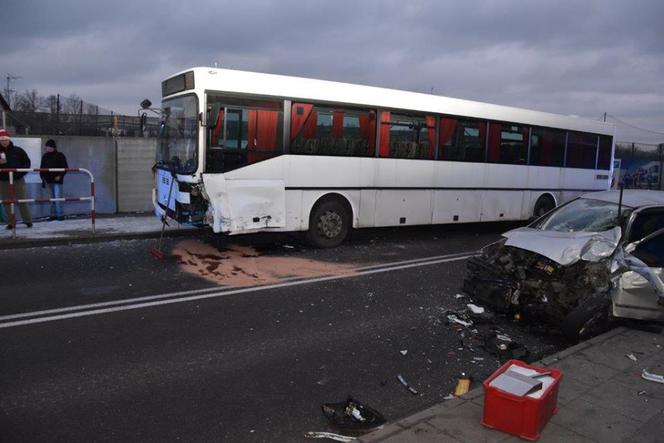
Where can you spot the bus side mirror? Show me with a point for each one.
(212, 114)
(145, 104)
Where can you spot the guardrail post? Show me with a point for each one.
(93, 213)
(12, 197)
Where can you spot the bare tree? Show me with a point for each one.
(51, 103)
(29, 101)
(72, 104)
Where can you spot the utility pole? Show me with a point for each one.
(605, 116)
(8, 90)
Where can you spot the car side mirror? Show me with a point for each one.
(631, 247)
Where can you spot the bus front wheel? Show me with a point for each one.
(329, 224)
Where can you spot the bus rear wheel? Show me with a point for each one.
(329, 224)
(543, 205)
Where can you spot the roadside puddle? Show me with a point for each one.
(242, 266)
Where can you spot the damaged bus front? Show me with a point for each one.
(177, 187)
(205, 140)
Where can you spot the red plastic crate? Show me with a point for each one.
(521, 416)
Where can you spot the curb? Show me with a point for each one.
(412, 420)
(67, 241)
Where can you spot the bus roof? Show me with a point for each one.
(305, 89)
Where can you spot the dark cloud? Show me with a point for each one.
(570, 57)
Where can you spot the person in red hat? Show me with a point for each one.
(12, 156)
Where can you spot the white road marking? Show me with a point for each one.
(216, 290)
(185, 296)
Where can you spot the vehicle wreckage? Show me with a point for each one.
(596, 258)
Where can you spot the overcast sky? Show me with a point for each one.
(564, 56)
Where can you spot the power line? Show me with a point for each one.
(634, 126)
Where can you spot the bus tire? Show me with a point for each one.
(543, 205)
(329, 223)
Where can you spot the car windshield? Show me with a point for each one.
(582, 214)
(178, 135)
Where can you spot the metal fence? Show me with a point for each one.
(47, 123)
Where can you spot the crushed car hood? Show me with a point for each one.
(565, 248)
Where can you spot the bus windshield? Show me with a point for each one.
(178, 135)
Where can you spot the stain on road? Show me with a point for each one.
(242, 266)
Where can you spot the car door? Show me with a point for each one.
(638, 291)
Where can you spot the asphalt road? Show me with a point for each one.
(102, 342)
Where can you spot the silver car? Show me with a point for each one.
(598, 257)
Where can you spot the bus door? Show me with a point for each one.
(227, 141)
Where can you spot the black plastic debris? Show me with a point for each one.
(351, 415)
(504, 348)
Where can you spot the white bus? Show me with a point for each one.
(247, 152)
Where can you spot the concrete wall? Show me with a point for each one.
(122, 172)
(135, 178)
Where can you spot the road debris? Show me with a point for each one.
(458, 296)
(475, 309)
(330, 435)
(404, 351)
(351, 415)
(503, 347)
(463, 385)
(454, 319)
(449, 397)
(657, 378)
(503, 337)
(631, 357)
(406, 385)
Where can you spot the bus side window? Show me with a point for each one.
(547, 147)
(604, 156)
(236, 129)
(408, 136)
(264, 134)
(508, 143)
(465, 140)
(317, 130)
(581, 150)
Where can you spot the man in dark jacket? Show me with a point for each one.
(54, 159)
(12, 156)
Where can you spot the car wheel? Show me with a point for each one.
(329, 224)
(588, 319)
